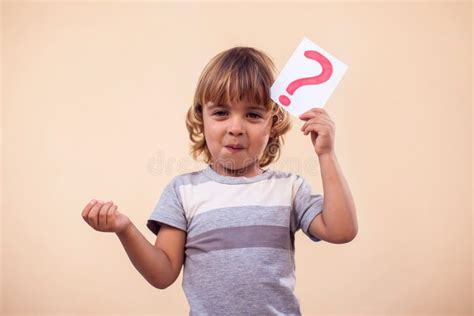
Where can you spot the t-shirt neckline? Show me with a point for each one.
(213, 175)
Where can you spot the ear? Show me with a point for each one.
(275, 118)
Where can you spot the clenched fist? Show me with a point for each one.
(104, 217)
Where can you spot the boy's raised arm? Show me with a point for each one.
(338, 211)
(339, 214)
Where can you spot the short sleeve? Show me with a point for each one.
(306, 206)
(169, 210)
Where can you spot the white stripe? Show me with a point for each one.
(203, 197)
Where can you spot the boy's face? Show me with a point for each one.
(236, 136)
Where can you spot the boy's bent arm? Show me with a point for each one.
(339, 215)
(172, 241)
(152, 262)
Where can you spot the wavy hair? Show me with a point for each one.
(242, 74)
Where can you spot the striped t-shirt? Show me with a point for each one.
(239, 252)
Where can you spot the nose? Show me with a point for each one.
(236, 127)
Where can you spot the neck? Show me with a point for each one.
(248, 171)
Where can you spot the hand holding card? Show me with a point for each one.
(322, 129)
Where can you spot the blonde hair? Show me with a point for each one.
(241, 74)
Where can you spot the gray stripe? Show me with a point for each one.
(240, 216)
(240, 237)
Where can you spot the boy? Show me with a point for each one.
(232, 224)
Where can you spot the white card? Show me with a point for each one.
(308, 79)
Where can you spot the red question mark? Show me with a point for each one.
(322, 77)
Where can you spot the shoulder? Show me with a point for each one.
(193, 177)
(288, 177)
(292, 176)
(187, 179)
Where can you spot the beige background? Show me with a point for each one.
(93, 103)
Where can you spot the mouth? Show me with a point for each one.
(234, 148)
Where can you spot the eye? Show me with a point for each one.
(255, 115)
(218, 113)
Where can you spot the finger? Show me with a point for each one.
(324, 120)
(306, 116)
(103, 214)
(310, 121)
(319, 112)
(316, 127)
(319, 119)
(111, 216)
(92, 216)
(311, 115)
(312, 112)
(87, 208)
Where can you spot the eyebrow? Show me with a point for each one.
(252, 107)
